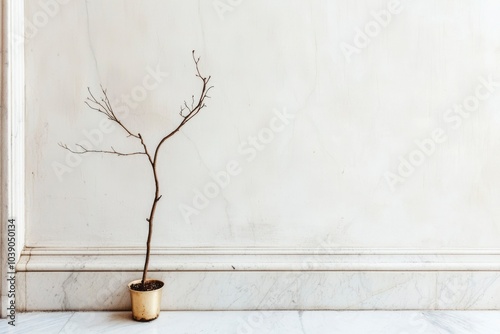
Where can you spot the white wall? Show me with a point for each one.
(324, 176)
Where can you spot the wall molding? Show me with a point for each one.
(12, 129)
(258, 259)
(62, 279)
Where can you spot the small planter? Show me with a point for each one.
(146, 304)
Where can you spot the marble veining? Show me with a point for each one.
(270, 290)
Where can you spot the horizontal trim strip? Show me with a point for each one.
(259, 251)
(203, 259)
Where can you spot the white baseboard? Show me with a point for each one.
(263, 279)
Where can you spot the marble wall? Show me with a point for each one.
(372, 124)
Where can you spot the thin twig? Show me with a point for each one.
(104, 106)
(85, 150)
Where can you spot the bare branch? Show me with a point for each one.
(97, 105)
(147, 153)
(84, 150)
(105, 91)
(193, 110)
(187, 112)
(180, 112)
(186, 107)
(104, 106)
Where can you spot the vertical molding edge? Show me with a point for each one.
(12, 132)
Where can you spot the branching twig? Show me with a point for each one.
(85, 150)
(104, 106)
(187, 112)
(193, 110)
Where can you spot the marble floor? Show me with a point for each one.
(276, 322)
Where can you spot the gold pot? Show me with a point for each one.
(145, 304)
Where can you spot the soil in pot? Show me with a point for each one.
(148, 286)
